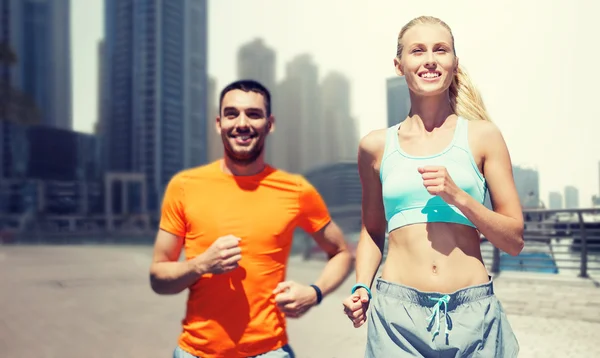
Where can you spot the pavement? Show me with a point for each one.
(95, 301)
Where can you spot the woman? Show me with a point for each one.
(426, 181)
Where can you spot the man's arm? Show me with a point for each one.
(168, 275)
(331, 240)
(296, 299)
(316, 221)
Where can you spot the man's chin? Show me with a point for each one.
(243, 158)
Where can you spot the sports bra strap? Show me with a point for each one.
(391, 138)
(462, 134)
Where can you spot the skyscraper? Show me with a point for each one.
(555, 200)
(298, 103)
(214, 142)
(527, 181)
(155, 57)
(571, 197)
(256, 61)
(339, 134)
(398, 100)
(35, 71)
(38, 32)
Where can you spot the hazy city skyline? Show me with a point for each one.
(525, 71)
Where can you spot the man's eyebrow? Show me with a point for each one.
(256, 109)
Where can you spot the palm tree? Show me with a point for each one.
(15, 106)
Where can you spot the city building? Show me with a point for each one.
(38, 32)
(339, 132)
(57, 171)
(297, 136)
(256, 61)
(35, 69)
(398, 100)
(527, 182)
(555, 200)
(214, 142)
(340, 186)
(155, 118)
(571, 197)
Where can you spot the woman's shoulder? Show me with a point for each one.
(483, 128)
(485, 135)
(373, 142)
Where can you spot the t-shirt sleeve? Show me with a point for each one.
(314, 214)
(172, 217)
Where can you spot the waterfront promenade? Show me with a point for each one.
(95, 301)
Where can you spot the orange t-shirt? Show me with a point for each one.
(234, 314)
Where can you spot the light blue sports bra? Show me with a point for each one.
(405, 199)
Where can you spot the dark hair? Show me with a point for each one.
(248, 86)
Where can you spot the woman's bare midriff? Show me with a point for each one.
(435, 257)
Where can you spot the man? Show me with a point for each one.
(236, 218)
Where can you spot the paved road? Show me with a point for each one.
(94, 301)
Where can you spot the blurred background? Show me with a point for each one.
(103, 101)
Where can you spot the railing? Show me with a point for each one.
(73, 229)
(556, 241)
(565, 241)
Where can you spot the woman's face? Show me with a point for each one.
(427, 61)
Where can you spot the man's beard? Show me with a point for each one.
(246, 158)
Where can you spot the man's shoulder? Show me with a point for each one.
(196, 173)
(291, 179)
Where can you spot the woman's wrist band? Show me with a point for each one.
(360, 285)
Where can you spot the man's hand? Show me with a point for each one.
(294, 299)
(221, 257)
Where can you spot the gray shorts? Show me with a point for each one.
(283, 352)
(404, 322)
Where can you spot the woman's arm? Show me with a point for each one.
(503, 226)
(372, 236)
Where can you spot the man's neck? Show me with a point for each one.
(229, 166)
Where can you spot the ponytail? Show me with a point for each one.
(465, 99)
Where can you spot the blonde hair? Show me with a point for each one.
(465, 99)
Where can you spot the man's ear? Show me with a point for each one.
(218, 125)
(271, 123)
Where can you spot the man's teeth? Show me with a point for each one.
(430, 75)
(244, 137)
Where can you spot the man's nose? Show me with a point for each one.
(242, 121)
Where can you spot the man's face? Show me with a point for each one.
(243, 125)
